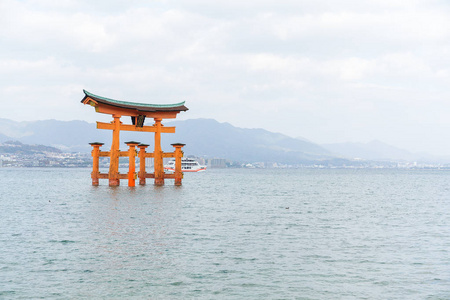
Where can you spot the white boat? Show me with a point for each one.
(187, 165)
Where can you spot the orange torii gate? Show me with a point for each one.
(138, 112)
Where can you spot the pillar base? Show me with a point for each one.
(142, 181)
(159, 181)
(114, 182)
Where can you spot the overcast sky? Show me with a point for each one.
(329, 71)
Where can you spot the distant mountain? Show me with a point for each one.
(374, 150)
(65, 135)
(12, 129)
(203, 137)
(302, 139)
(4, 138)
(15, 147)
(207, 137)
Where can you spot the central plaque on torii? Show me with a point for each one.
(138, 113)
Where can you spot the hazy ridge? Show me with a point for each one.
(205, 137)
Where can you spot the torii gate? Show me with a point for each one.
(138, 112)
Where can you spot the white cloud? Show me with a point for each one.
(328, 70)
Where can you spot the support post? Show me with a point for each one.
(95, 162)
(132, 163)
(158, 159)
(178, 156)
(114, 155)
(141, 174)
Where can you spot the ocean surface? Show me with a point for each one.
(227, 234)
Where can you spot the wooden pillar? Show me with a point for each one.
(114, 156)
(178, 156)
(95, 162)
(132, 163)
(141, 175)
(158, 158)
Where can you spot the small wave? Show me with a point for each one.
(62, 241)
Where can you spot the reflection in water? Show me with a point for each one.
(135, 227)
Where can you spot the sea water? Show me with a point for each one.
(227, 234)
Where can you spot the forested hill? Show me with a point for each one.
(15, 147)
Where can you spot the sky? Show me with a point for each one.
(329, 71)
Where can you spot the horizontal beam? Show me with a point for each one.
(101, 125)
(123, 176)
(168, 154)
(112, 110)
(127, 127)
(147, 175)
(166, 175)
(123, 153)
(106, 176)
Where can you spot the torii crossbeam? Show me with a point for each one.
(138, 112)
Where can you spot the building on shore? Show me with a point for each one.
(217, 163)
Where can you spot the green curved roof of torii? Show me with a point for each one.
(134, 105)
